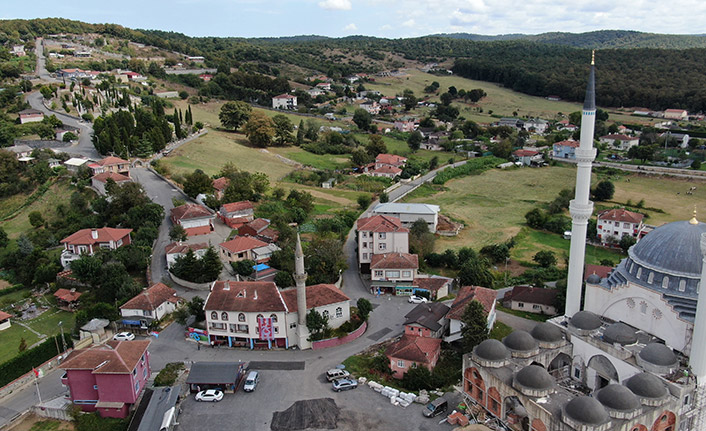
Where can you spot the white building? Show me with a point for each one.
(176, 250)
(408, 213)
(4, 320)
(620, 141)
(284, 101)
(616, 223)
(394, 273)
(150, 304)
(379, 235)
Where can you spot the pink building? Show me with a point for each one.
(412, 351)
(107, 378)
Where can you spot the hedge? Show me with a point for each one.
(471, 167)
(25, 361)
(15, 288)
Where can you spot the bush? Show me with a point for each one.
(93, 422)
(169, 374)
(471, 167)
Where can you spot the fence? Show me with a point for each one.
(333, 342)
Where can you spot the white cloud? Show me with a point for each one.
(386, 27)
(335, 4)
(351, 27)
(409, 23)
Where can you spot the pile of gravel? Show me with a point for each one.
(321, 413)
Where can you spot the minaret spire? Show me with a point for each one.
(300, 280)
(581, 207)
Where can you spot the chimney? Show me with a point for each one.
(255, 296)
(94, 233)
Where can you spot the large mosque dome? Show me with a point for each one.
(672, 248)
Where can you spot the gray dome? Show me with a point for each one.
(672, 248)
(535, 377)
(646, 385)
(586, 320)
(618, 397)
(546, 332)
(620, 333)
(492, 350)
(593, 278)
(586, 410)
(520, 340)
(658, 354)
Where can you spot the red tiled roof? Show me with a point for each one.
(619, 137)
(532, 295)
(242, 243)
(105, 234)
(316, 296)
(284, 96)
(67, 274)
(390, 159)
(387, 170)
(236, 206)
(600, 270)
(432, 284)
(4, 315)
(114, 357)
(111, 160)
(574, 144)
(118, 178)
(176, 247)
(150, 299)
(268, 234)
(67, 295)
(469, 293)
(620, 214)
(394, 261)
(415, 349)
(525, 153)
(221, 183)
(258, 225)
(189, 211)
(380, 223)
(675, 110)
(246, 296)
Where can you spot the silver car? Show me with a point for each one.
(344, 384)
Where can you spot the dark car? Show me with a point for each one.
(436, 407)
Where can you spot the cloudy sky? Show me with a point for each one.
(382, 18)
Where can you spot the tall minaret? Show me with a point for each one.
(581, 207)
(697, 357)
(300, 279)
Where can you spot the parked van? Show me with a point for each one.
(251, 381)
(335, 374)
(436, 407)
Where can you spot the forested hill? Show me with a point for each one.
(654, 78)
(601, 39)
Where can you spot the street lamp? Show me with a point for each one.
(63, 341)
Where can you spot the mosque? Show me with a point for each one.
(634, 359)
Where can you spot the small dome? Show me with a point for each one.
(618, 397)
(658, 354)
(546, 332)
(535, 377)
(646, 385)
(593, 278)
(586, 320)
(620, 333)
(492, 350)
(520, 340)
(586, 410)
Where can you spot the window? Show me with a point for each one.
(381, 235)
(233, 327)
(365, 256)
(214, 315)
(257, 319)
(144, 373)
(406, 274)
(274, 318)
(221, 326)
(142, 359)
(292, 325)
(536, 307)
(392, 274)
(639, 272)
(682, 285)
(364, 234)
(577, 373)
(146, 313)
(400, 364)
(339, 312)
(95, 387)
(241, 317)
(137, 386)
(120, 242)
(626, 225)
(276, 329)
(520, 305)
(134, 372)
(651, 277)
(325, 314)
(378, 273)
(224, 316)
(243, 328)
(665, 282)
(382, 246)
(365, 245)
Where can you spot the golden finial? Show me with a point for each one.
(693, 219)
(593, 57)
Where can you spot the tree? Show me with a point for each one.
(317, 324)
(260, 129)
(384, 197)
(604, 191)
(536, 218)
(362, 119)
(283, 129)
(243, 267)
(211, 265)
(475, 272)
(301, 132)
(375, 146)
(4, 240)
(23, 345)
(196, 308)
(446, 99)
(36, 219)
(414, 140)
(418, 377)
(196, 183)
(545, 258)
(178, 233)
(364, 308)
(626, 242)
(474, 327)
(234, 114)
(69, 136)
(360, 157)
(408, 100)
(364, 201)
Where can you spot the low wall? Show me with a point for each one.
(333, 342)
(28, 378)
(188, 284)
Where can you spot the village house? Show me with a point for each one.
(427, 320)
(236, 214)
(107, 378)
(112, 164)
(99, 181)
(30, 116)
(514, 123)
(620, 141)
(284, 101)
(527, 157)
(195, 219)
(435, 286)
(371, 107)
(406, 124)
(175, 250)
(67, 299)
(246, 248)
(88, 241)
(532, 299)
(676, 114)
(385, 171)
(408, 213)
(682, 139)
(380, 234)
(615, 223)
(206, 77)
(411, 351)
(327, 299)
(464, 297)
(260, 229)
(5, 320)
(565, 125)
(315, 91)
(389, 160)
(393, 273)
(565, 149)
(326, 86)
(20, 151)
(18, 50)
(151, 304)
(74, 163)
(219, 187)
(536, 125)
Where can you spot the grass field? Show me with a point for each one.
(530, 241)
(46, 324)
(59, 192)
(318, 161)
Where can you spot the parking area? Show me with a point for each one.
(360, 409)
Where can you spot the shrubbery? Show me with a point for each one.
(169, 374)
(471, 167)
(25, 361)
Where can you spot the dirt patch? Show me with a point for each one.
(360, 421)
(446, 225)
(328, 197)
(321, 413)
(4, 284)
(31, 420)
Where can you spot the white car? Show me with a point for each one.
(417, 300)
(124, 336)
(212, 395)
(343, 385)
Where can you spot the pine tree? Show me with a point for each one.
(189, 117)
(211, 265)
(177, 125)
(300, 133)
(181, 116)
(475, 325)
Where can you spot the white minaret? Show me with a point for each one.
(300, 279)
(697, 358)
(581, 207)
